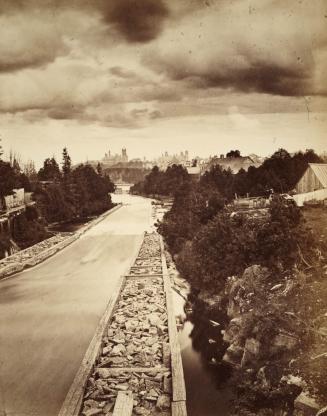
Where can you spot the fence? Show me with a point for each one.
(319, 195)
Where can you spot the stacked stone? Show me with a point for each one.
(34, 250)
(135, 353)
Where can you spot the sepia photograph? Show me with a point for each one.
(163, 208)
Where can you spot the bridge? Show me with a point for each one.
(122, 187)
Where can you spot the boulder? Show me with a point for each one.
(118, 349)
(284, 341)
(253, 346)
(233, 355)
(163, 402)
(251, 351)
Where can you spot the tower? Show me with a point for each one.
(124, 155)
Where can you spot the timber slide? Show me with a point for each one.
(133, 365)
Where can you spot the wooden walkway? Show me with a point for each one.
(133, 365)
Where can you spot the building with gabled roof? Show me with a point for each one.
(313, 179)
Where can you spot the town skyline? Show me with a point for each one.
(134, 154)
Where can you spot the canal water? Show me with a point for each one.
(207, 389)
(70, 226)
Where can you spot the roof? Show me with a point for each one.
(194, 170)
(320, 170)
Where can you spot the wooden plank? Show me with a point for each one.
(73, 401)
(124, 404)
(178, 382)
(145, 267)
(117, 370)
(148, 258)
(178, 409)
(132, 276)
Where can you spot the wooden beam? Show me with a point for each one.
(135, 276)
(118, 370)
(178, 409)
(178, 382)
(146, 267)
(124, 404)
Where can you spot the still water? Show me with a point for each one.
(208, 393)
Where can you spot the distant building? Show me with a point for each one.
(194, 172)
(110, 160)
(166, 160)
(312, 185)
(232, 163)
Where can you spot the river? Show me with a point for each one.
(207, 389)
(49, 313)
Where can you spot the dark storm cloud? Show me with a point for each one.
(259, 77)
(261, 49)
(138, 20)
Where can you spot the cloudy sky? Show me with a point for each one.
(156, 75)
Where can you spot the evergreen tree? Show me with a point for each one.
(50, 170)
(66, 163)
(99, 169)
(1, 149)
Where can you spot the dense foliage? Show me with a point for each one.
(167, 183)
(72, 193)
(279, 173)
(60, 194)
(29, 228)
(10, 179)
(229, 243)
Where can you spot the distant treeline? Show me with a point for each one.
(61, 194)
(162, 183)
(279, 173)
(126, 174)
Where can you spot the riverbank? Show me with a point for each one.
(262, 331)
(39, 252)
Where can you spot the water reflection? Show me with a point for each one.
(206, 377)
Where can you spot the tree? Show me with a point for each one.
(7, 178)
(50, 170)
(66, 164)
(233, 153)
(1, 149)
(30, 171)
(99, 169)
